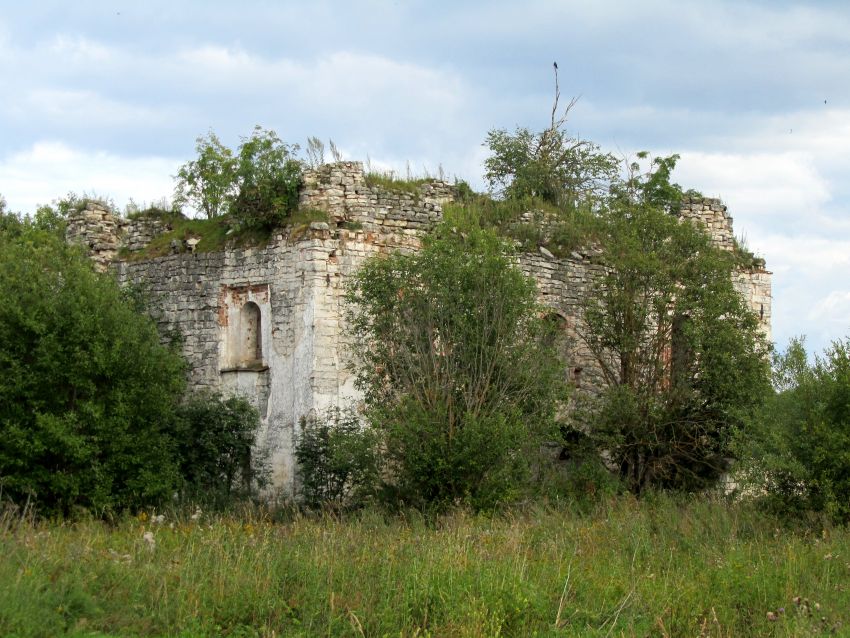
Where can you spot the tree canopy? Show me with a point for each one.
(551, 165)
(799, 454)
(257, 184)
(88, 390)
(683, 362)
(456, 372)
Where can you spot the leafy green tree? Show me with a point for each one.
(268, 178)
(682, 360)
(551, 164)
(257, 185)
(215, 440)
(799, 453)
(458, 377)
(209, 183)
(650, 185)
(88, 393)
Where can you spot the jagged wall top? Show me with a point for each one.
(98, 230)
(342, 190)
(711, 213)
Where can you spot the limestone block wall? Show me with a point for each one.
(268, 322)
(342, 191)
(562, 285)
(195, 294)
(295, 364)
(99, 231)
(712, 216)
(141, 231)
(754, 285)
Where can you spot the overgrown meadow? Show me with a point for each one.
(660, 567)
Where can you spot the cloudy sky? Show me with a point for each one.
(108, 98)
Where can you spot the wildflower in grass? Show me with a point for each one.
(149, 539)
(158, 519)
(771, 616)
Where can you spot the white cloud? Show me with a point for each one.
(771, 184)
(49, 170)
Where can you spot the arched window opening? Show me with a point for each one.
(250, 337)
(556, 328)
(575, 375)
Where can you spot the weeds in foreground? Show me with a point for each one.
(629, 568)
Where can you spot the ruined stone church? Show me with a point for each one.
(267, 322)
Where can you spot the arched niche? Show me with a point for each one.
(250, 336)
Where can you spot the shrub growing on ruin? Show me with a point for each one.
(683, 363)
(268, 177)
(458, 378)
(215, 449)
(337, 458)
(551, 164)
(257, 185)
(88, 393)
(208, 183)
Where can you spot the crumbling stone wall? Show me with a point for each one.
(342, 191)
(711, 214)
(104, 233)
(297, 284)
(139, 232)
(99, 231)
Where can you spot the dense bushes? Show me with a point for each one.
(90, 413)
(459, 380)
(88, 392)
(215, 441)
(338, 460)
(798, 457)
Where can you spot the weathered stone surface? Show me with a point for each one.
(269, 322)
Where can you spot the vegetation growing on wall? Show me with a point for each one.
(684, 364)
(257, 185)
(458, 378)
(551, 165)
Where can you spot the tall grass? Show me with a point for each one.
(660, 567)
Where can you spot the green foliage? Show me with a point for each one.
(658, 567)
(257, 185)
(48, 218)
(800, 453)
(529, 222)
(269, 178)
(215, 437)
(208, 184)
(550, 165)
(683, 362)
(337, 460)
(651, 186)
(88, 394)
(457, 376)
